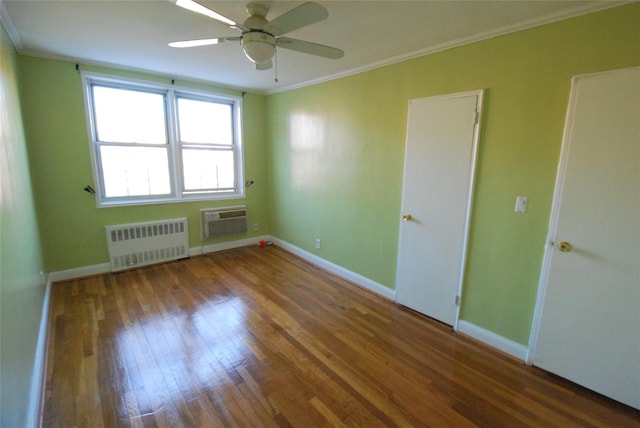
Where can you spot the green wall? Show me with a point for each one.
(72, 226)
(21, 291)
(336, 156)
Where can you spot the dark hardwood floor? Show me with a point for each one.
(258, 337)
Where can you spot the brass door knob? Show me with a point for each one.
(564, 246)
(407, 217)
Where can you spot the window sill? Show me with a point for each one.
(161, 201)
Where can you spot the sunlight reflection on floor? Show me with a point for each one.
(210, 356)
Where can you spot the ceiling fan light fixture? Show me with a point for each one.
(259, 46)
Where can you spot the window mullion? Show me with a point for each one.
(237, 146)
(175, 149)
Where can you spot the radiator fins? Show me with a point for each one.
(142, 244)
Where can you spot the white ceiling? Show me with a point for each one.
(134, 34)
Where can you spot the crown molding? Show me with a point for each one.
(10, 27)
(501, 31)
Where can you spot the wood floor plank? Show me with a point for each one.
(259, 337)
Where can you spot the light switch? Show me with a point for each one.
(521, 204)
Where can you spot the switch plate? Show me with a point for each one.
(521, 204)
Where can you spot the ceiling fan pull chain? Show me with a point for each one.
(276, 79)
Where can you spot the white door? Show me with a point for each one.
(589, 300)
(439, 169)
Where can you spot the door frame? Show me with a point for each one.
(555, 210)
(479, 94)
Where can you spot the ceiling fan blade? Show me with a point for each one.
(264, 66)
(203, 42)
(194, 43)
(198, 8)
(301, 16)
(310, 48)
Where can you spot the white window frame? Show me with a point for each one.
(174, 146)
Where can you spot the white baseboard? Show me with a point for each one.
(229, 245)
(99, 269)
(344, 273)
(337, 270)
(494, 340)
(36, 393)
(63, 275)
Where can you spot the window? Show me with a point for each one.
(154, 143)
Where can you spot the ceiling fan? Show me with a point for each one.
(260, 37)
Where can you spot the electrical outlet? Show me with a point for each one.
(317, 244)
(256, 226)
(521, 204)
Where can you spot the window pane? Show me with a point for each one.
(204, 122)
(135, 171)
(207, 169)
(127, 116)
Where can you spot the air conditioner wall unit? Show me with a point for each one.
(220, 222)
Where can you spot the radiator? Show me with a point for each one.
(216, 222)
(141, 244)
